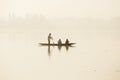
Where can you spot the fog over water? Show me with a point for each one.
(61, 8)
(93, 25)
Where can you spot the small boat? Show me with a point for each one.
(55, 44)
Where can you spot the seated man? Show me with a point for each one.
(59, 42)
(67, 41)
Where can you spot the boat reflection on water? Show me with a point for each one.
(59, 47)
(66, 47)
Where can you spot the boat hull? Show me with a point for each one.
(46, 44)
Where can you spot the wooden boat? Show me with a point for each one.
(46, 44)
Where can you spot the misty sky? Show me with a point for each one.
(61, 8)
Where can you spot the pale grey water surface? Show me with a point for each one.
(96, 56)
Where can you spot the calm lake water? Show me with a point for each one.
(96, 55)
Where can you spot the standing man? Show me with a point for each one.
(49, 37)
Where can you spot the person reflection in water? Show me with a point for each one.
(49, 38)
(49, 51)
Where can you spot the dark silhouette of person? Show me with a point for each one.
(49, 38)
(67, 42)
(59, 42)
